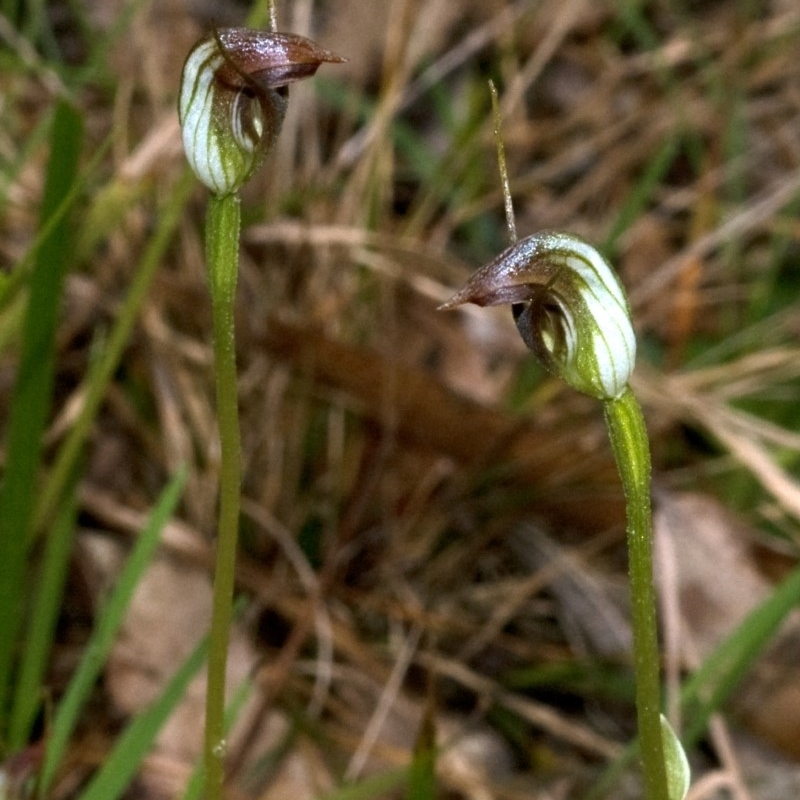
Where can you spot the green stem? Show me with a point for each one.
(628, 436)
(222, 256)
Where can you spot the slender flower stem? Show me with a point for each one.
(629, 442)
(222, 256)
(231, 106)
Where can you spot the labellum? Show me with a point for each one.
(569, 308)
(233, 99)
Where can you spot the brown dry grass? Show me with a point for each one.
(445, 539)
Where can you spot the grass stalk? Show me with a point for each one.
(101, 375)
(40, 635)
(33, 387)
(118, 769)
(105, 631)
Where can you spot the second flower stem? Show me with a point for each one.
(222, 257)
(629, 442)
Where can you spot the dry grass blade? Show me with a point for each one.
(747, 438)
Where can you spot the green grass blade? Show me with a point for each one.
(636, 202)
(370, 787)
(38, 643)
(713, 683)
(33, 388)
(194, 788)
(108, 623)
(130, 749)
(422, 772)
(118, 339)
(16, 280)
(11, 170)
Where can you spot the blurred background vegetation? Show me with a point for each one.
(432, 531)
